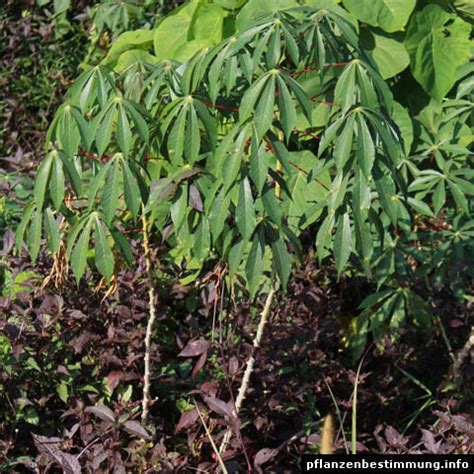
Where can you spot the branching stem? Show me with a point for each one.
(249, 367)
(151, 320)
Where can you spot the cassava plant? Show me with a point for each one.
(229, 147)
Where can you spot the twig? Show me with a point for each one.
(339, 417)
(249, 367)
(211, 440)
(445, 338)
(151, 320)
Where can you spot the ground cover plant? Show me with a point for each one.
(230, 170)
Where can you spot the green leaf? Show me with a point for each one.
(342, 242)
(258, 164)
(56, 183)
(402, 119)
(245, 213)
(176, 138)
(365, 147)
(218, 213)
(192, 137)
(342, 151)
(235, 257)
(33, 239)
(271, 205)
(286, 108)
(247, 105)
(459, 197)
(420, 207)
(256, 11)
(41, 181)
(110, 194)
(172, 33)
(254, 267)
(179, 206)
(281, 258)
(345, 91)
(71, 170)
(202, 239)
(438, 43)
(387, 50)
(139, 122)
(131, 190)
(439, 197)
(123, 131)
(136, 39)
(51, 229)
(104, 258)
(124, 247)
(390, 15)
(20, 231)
(104, 129)
(208, 23)
(79, 254)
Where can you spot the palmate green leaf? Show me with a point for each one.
(274, 48)
(51, 230)
(342, 151)
(345, 91)
(179, 206)
(420, 207)
(192, 141)
(271, 205)
(324, 236)
(84, 127)
(123, 246)
(365, 147)
(342, 242)
(208, 23)
(329, 135)
(20, 231)
(41, 181)
(57, 184)
(390, 15)
(79, 253)
(176, 138)
(104, 258)
(111, 192)
(258, 163)
(104, 125)
(218, 213)
(72, 173)
(258, 11)
(364, 239)
(202, 239)
(67, 133)
(245, 213)
(123, 134)
(281, 257)
(254, 267)
(458, 196)
(33, 238)
(438, 43)
(236, 254)
(403, 121)
(300, 94)
(387, 51)
(141, 126)
(247, 105)
(265, 109)
(286, 108)
(439, 197)
(131, 190)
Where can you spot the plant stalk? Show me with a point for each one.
(249, 367)
(151, 321)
